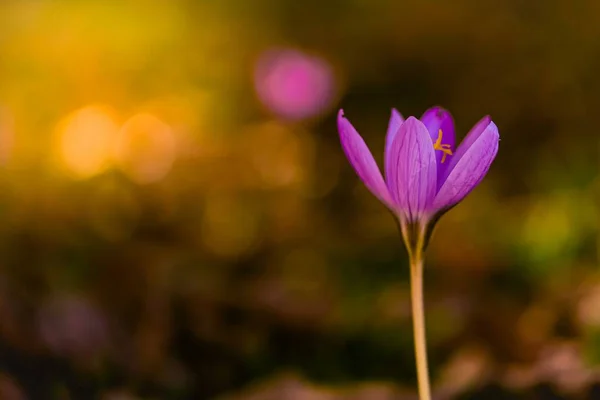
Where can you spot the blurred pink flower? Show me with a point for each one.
(72, 327)
(292, 84)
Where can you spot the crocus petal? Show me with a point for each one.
(467, 142)
(474, 157)
(412, 170)
(395, 121)
(362, 160)
(437, 118)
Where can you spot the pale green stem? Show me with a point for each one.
(418, 314)
(416, 236)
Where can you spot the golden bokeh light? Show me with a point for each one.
(145, 148)
(84, 140)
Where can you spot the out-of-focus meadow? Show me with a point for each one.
(178, 221)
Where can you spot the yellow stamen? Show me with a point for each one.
(445, 148)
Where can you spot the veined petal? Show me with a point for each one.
(474, 157)
(412, 170)
(362, 160)
(467, 142)
(438, 119)
(396, 120)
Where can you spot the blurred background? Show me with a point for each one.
(178, 220)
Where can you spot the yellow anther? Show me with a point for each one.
(445, 148)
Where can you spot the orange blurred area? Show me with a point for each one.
(179, 221)
(85, 139)
(145, 148)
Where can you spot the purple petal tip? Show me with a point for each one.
(493, 126)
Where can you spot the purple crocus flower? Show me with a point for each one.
(424, 174)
